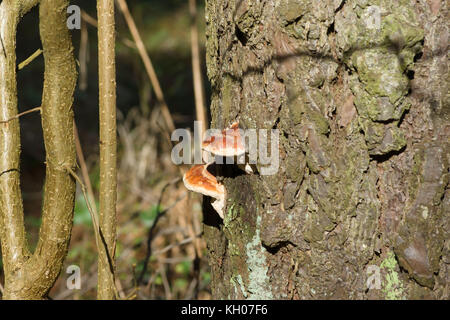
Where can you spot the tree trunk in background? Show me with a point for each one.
(364, 128)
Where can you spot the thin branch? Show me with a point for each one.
(98, 234)
(21, 114)
(88, 203)
(84, 169)
(166, 285)
(89, 19)
(89, 198)
(108, 146)
(28, 60)
(196, 69)
(147, 64)
(83, 56)
(159, 215)
(93, 22)
(173, 245)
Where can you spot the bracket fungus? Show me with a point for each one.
(228, 143)
(199, 179)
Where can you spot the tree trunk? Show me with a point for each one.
(31, 276)
(108, 149)
(359, 208)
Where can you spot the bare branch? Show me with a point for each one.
(21, 114)
(28, 60)
(108, 147)
(196, 69)
(147, 64)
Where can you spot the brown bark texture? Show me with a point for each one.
(363, 112)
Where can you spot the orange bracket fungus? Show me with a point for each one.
(199, 179)
(228, 143)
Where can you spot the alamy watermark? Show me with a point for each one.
(74, 280)
(261, 145)
(373, 277)
(74, 18)
(372, 17)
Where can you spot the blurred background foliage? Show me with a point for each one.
(152, 201)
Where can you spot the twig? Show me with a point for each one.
(88, 204)
(132, 295)
(120, 289)
(87, 18)
(90, 192)
(196, 69)
(98, 236)
(84, 169)
(93, 22)
(152, 229)
(174, 260)
(147, 64)
(173, 245)
(21, 114)
(166, 285)
(83, 56)
(191, 289)
(28, 60)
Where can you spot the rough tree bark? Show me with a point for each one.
(363, 113)
(30, 276)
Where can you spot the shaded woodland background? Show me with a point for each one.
(152, 201)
